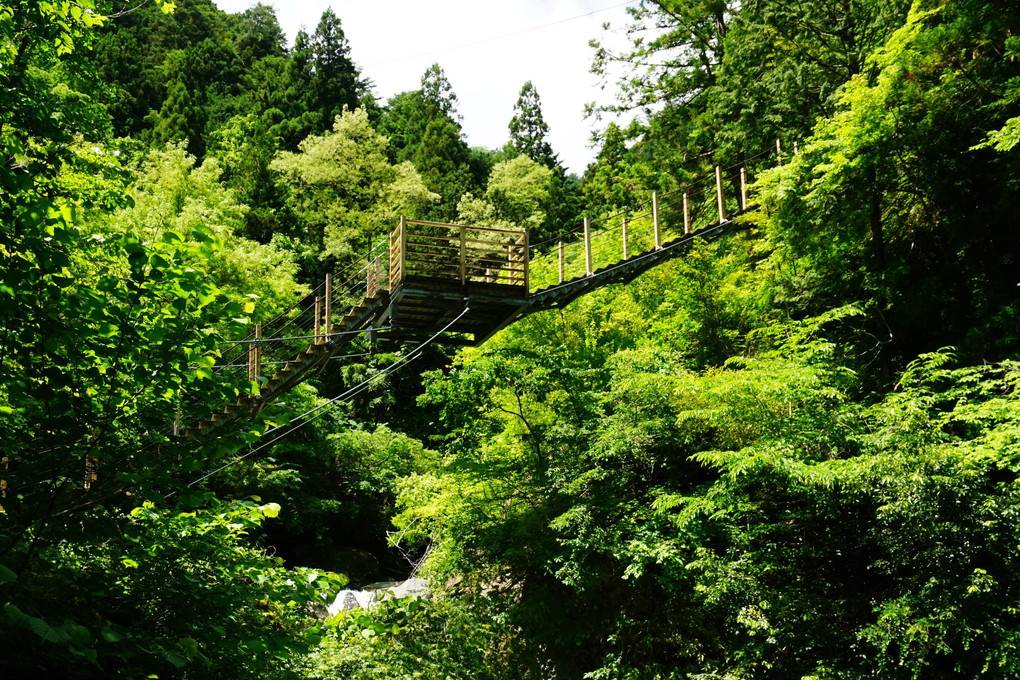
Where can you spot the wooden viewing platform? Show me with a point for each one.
(437, 270)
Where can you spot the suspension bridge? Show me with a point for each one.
(460, 284)
(444, 283)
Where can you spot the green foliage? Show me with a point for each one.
(753, 461)
(409, 638)
(528, 128)
(245, 147)
(881, 201)
(608, 184)
(337, 480)
(164, 593)
(258, 34)
(516, 197)
(1008, 136)
(101, 331)
(172, 196)
(646, 519)
(346, 191)
(424, 128)
(335, 82)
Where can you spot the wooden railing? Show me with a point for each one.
(459, 253)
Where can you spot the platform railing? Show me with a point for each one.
(458, 252)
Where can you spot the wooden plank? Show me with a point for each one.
(403, 248)
(515, 260)
(441, 257)
(478, 273)
(439, 266)
(779, 153)
(455, 240)
(719, 194)
(434, 247)
(431, 237)
(487, 230)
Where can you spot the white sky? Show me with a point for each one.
(488, 50)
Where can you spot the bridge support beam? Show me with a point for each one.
(563, 263)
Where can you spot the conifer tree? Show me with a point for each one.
(424, 126)
(335, 79)
(180, 117)
(259, 35)
(528, 128)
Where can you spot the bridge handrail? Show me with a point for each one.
(458, 252)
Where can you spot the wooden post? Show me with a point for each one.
(562, 262)
(587, 247)
(251, 360)
(687, 215)
(463, 256)
(394, 263)
(795, 149)
(525, 258)
(626, 245)
(328, 315)
(318, 318)
(779, 153)
(655, 220)
(743, 189)
(403, 249)
(258, 353)
(719, 194)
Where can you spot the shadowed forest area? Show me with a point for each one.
(791, 453)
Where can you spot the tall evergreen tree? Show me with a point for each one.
(335, 80)
(528, 128)
(258, 35)
(181, 116)
(425, 128)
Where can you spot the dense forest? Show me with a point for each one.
(792, 453)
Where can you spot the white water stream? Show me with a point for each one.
(374, 593)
